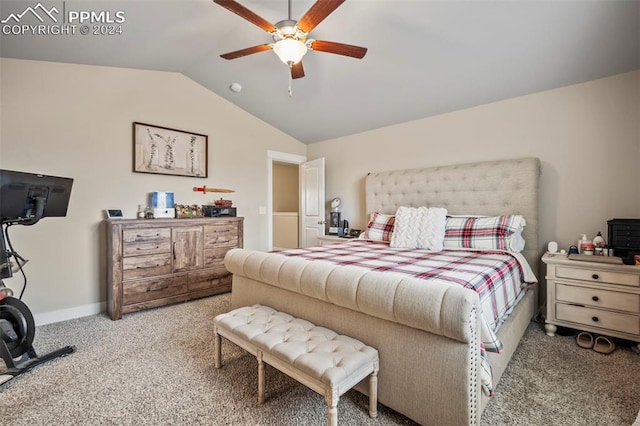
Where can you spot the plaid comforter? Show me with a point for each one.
(497, 277)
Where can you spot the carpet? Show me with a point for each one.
(156, 368)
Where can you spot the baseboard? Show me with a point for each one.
(71, 313)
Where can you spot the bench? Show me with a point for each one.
(324, 361)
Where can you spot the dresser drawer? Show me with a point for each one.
(152, 289)
(224, 234)
(139, 242)
(596, 275)
(145, 248)
(211, 278)
(215, 257)
(146, 266)
(624, 323)
(146, 235)
(598, 298)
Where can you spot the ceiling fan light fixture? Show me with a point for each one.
(289, 50)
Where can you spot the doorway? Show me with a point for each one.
(286, 202)
(310, 192)
(283, 163)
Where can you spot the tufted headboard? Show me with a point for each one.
(485, 188)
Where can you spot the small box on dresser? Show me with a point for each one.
(624, 238)
(162, 261)
(591, 296)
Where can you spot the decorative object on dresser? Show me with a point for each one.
(624, 238)
(162, 261)
(165, 151)
(596, 297)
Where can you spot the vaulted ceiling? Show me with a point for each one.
(424, 57)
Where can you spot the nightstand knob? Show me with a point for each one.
(595, 319)
(595, 298)
(595, 276)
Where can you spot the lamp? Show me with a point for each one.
(289, 50)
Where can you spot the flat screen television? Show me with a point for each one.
(19, 192)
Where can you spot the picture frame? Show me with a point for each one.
(165, 151)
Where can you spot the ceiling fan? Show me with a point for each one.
(290, 37)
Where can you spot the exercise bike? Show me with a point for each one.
(17, 326)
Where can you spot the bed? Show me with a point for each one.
(429, 337)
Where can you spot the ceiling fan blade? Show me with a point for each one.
(339, 48)
(297, 71)
(248, 51)
(245, 13)
(316, 14)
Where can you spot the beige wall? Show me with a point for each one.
(76, 121)
(285, 188)
(587, 137)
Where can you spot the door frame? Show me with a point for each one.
(281, 157)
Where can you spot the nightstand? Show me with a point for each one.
(590, 296)
(325, 240)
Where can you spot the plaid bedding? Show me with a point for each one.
(496, 276)
(488, 233)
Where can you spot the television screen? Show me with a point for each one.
(19, 190)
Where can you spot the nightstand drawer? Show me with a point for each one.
(596, 318)
(595, 275)
(598, 298)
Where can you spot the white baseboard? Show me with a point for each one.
(71, 313)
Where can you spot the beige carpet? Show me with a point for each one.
(156, 368)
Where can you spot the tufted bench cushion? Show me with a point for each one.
(317, 357)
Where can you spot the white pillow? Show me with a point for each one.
(419, 228)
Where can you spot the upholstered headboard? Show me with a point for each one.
(485, 188)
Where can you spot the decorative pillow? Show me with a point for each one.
(421, 228)
(490, 233)
(379, 228)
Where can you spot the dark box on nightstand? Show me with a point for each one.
(624, 238)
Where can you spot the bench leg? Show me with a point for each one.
(217, 351)
(260, 377)
(373, 392)
(332, 397)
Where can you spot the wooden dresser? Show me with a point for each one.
(597, 297)
(156, 262)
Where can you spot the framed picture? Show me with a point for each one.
(165, 151)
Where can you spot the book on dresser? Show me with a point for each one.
(157, 262)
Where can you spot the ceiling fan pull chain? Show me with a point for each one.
(290, 80)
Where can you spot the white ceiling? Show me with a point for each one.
(425, 57)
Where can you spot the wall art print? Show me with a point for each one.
(165, 151)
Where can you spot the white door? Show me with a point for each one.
(312, 205)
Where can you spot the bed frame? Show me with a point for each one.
(427, 336)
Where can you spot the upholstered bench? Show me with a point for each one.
(322, 360)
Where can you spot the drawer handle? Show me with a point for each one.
(147, 267)
(595, 319)
(147, 236)
(174, 250)
(158, 288)
(148, 248)
(595, 276)
(595, 298)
